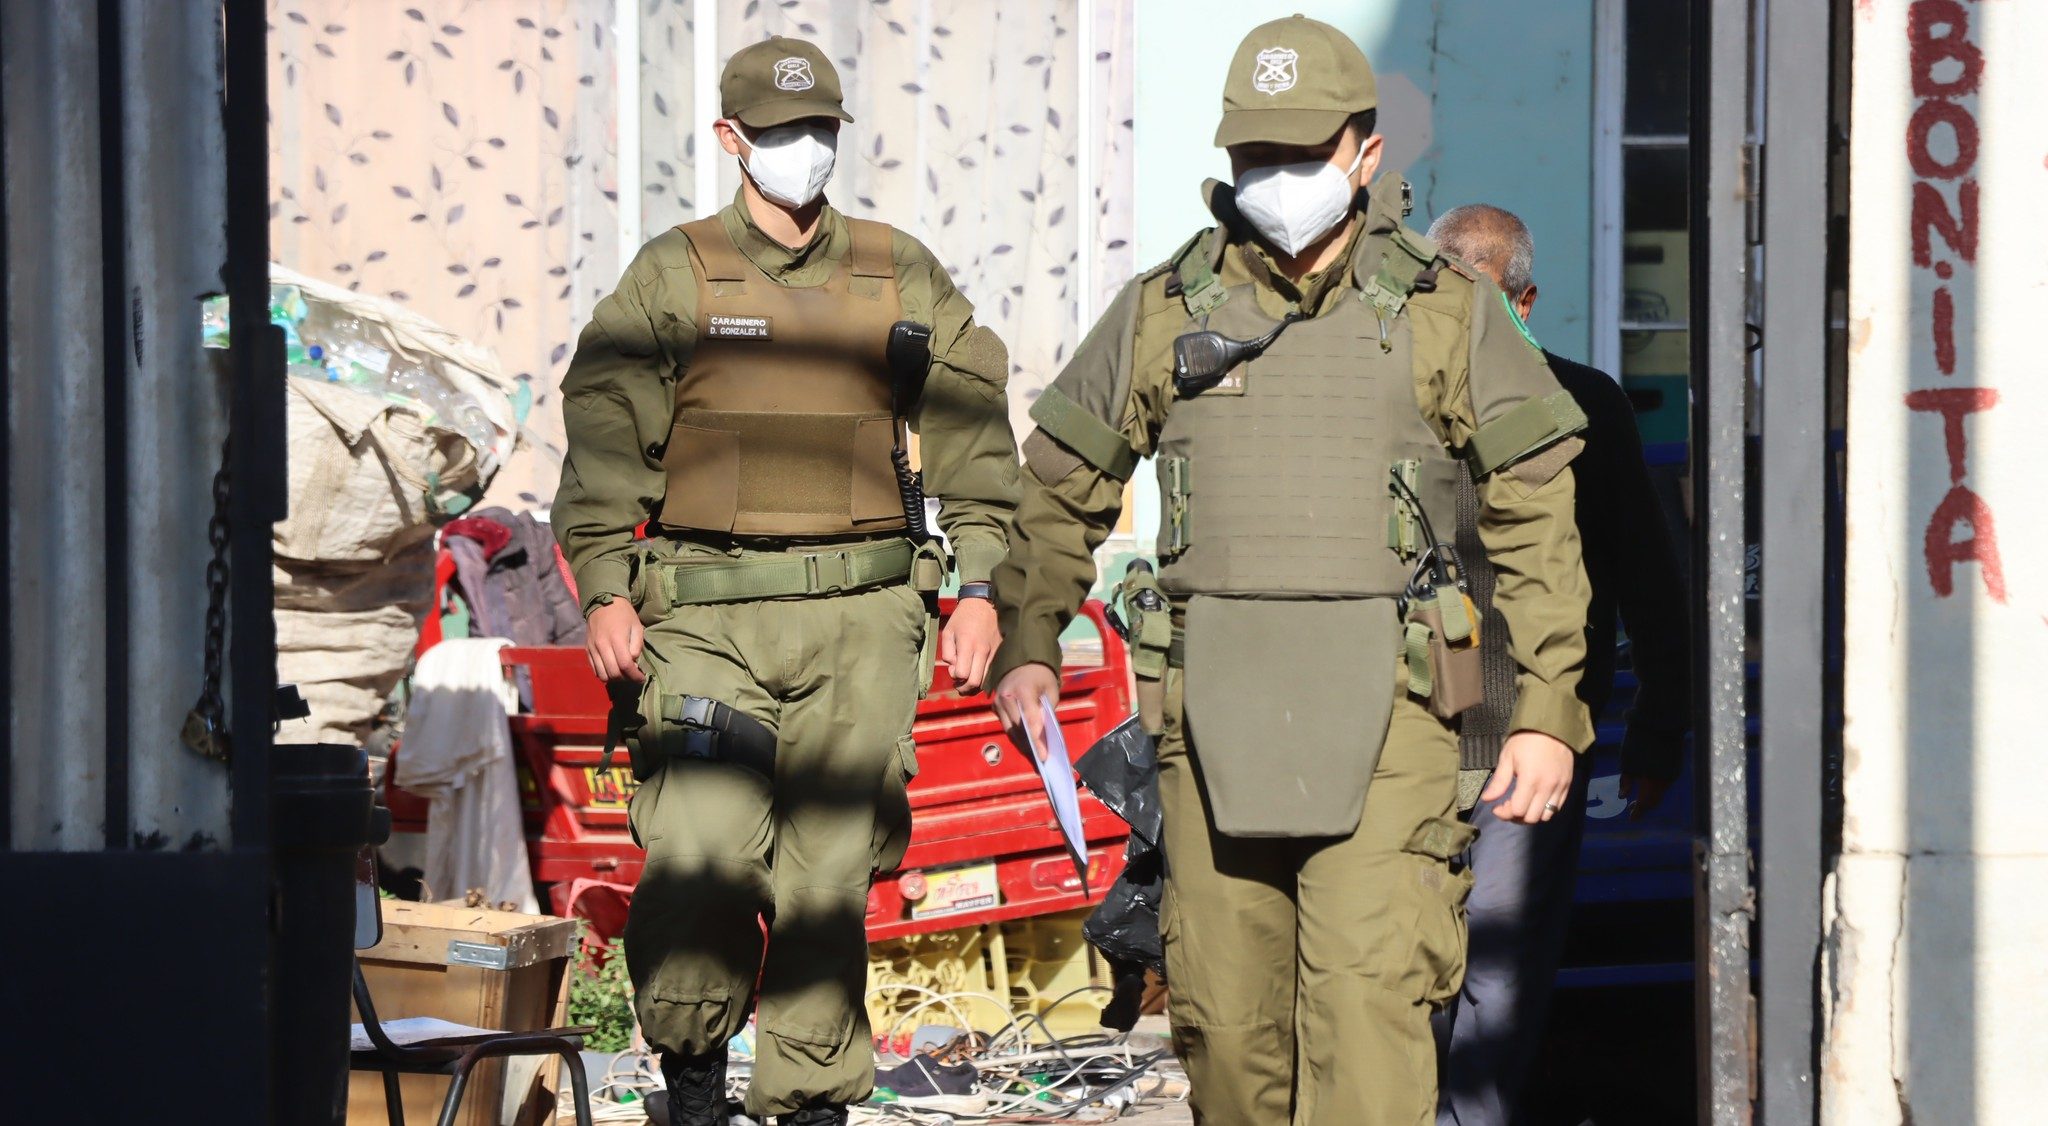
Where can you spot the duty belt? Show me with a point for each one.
(795, 575)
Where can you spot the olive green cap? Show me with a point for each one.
(1294, 82)
(777, 81)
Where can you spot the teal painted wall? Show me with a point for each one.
(1480, 100)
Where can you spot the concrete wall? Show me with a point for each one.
(1934, 967)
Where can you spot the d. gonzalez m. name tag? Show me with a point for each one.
(740, 328)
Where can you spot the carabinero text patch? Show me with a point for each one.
(740, 328)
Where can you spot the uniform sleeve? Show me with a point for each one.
(617, 400)
(962, 420)
(1527, 522)
(1092, 424)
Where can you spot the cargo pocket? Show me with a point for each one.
(1440, 936)
(640, 806)
(892, 806)
(678, 1008)
(814, 1045)
(704, 479)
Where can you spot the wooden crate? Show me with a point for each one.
(491, 969)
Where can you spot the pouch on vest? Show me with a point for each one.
(1178, 477)
(1150, 634)
(1440, 625)
(1445, 672)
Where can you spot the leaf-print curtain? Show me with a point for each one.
(457, 157)
(965, 133)
(460, 156)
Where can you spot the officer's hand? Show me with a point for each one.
(969, 642)
(1539, 767)
(613, 642)
(1017, 704)
(1645, 794)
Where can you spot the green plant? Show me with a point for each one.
(601, 996)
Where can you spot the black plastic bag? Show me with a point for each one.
(1125, 925)
(1122, 769)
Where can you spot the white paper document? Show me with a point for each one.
(1056, 770)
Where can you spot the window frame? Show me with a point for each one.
(1612, 144)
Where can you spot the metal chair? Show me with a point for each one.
(453, 1056)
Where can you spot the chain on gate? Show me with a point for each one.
(206, 726)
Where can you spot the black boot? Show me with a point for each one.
(696, 1089)
(816, 1116)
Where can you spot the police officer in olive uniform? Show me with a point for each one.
(745, 392)
(1310, 376)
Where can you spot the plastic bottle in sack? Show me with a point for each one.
(295, 350)
(404, 385)
(307, 363)
(438, 404)
(287, 305)
(474, 423)
(350, 374)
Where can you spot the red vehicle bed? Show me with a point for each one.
(984, 846)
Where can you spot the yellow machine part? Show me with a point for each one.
(983, 976)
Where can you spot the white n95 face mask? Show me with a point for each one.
(1293, 205)
(791, 163)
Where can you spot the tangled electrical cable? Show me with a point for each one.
(1027, 1073)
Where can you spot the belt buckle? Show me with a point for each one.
(829, 572)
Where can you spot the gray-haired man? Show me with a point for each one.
(1521, 897)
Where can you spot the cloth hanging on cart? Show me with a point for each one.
(458, 755)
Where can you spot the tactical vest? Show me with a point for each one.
(1281, 532)
(1275, 483)
(785, 416)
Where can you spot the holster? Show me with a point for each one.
(677, 726)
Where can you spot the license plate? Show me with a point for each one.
(609, 789)
(954, 890)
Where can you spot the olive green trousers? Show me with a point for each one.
(837, 679)
(1302, 971)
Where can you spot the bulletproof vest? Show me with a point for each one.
(1275, 482)
(785, 416)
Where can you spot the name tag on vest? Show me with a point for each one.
(740, 328)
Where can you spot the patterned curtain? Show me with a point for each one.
(967, 120)
(461, 156)
(457, 157)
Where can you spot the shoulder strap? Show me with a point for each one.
(1407, 262)
(873, 254)
(1194, 272)
(720, 259)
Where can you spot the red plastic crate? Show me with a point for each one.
(976, 799)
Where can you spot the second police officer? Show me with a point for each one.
(1309, 375)
(744, 393)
